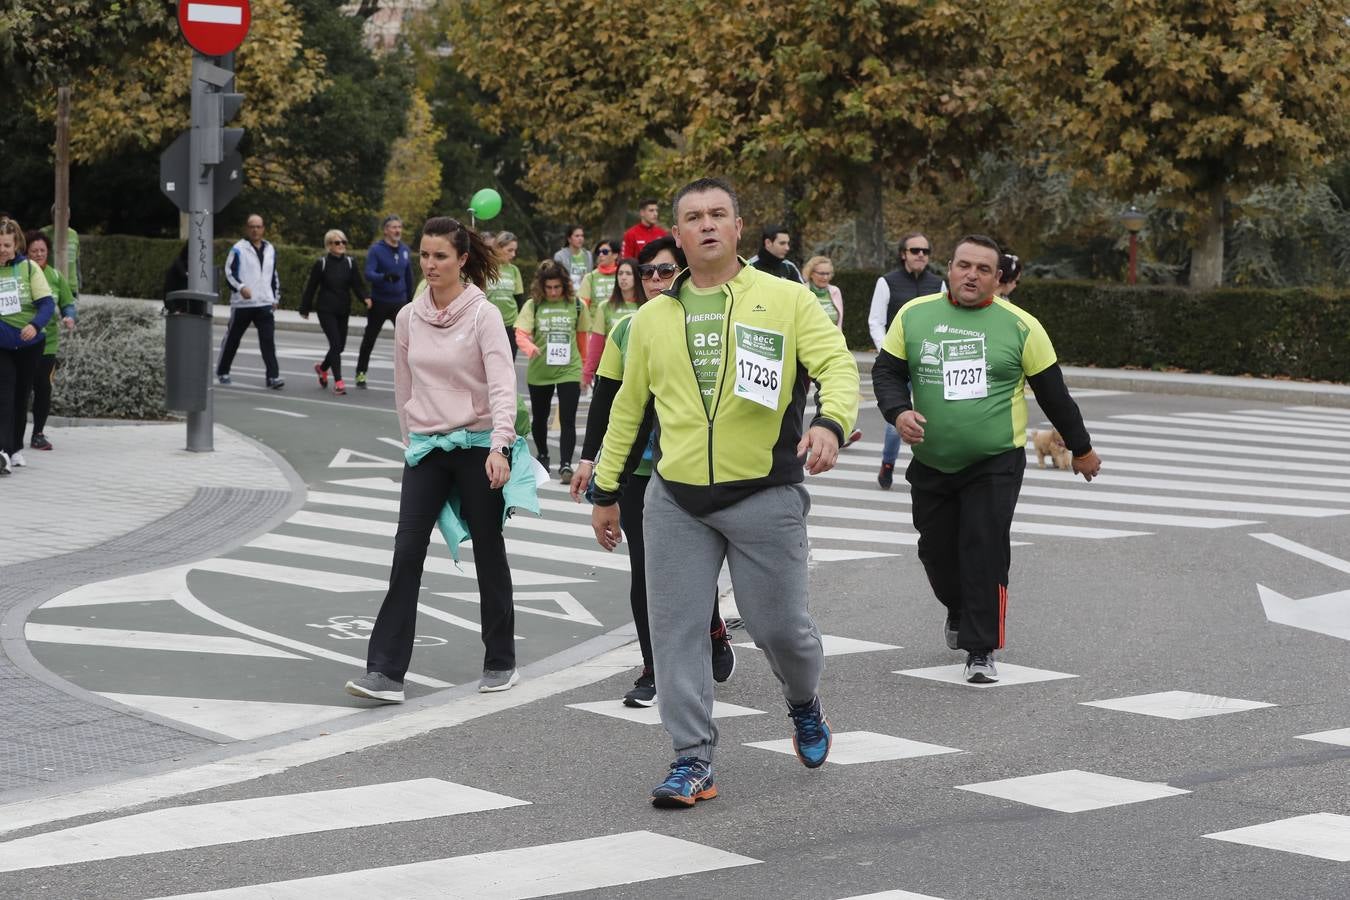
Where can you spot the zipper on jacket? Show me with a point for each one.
(711, 412)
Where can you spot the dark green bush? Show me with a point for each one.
(112, 366)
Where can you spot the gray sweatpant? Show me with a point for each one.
(763, 540)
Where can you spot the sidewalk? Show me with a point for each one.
(111, 500)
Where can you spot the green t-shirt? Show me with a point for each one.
(72, 255)
(502, 292)
(20, 285)
(577, 269)
(595, 290)
(968, 369)
(552, 326)
(64, 298)
(704, 321)
(611, 366)
(823, 298)
(611, 314)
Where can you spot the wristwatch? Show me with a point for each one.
(504, 451)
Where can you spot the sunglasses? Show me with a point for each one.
(603, 251)
(919, 251)
(343, 243)
(665, 270)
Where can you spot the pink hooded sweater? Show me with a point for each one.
(453, 368)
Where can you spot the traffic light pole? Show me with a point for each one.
(201, 234)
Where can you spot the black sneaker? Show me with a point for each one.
(980, 667)
(361, 380)
(643, 693)
(886, 476)
(565, 473)
(40, 442)
(723, 656)
(276, 384)
(543, 460)
(951, 626)
(223, 379)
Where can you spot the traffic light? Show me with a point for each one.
(220, 107)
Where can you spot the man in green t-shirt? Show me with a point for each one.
(969, 356)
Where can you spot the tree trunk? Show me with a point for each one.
(1207, 255)
(863, 195)
(61, 214)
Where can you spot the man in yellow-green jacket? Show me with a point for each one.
(724, 357)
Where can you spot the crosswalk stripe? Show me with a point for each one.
(124, 639)
(285, 543)
(864, 535)
(552, 552)
(1091, 493)
(544, 870)
(1034, 509)
(879, 515)
(1334, 411)
(1217, 421)
(1294, 415)
(1289, 422)
(1218, 450)
(316, 579)
(1201, 487)
(1223, 465)
(241, 720)
(354, 501)
(258, 818)
(1231, 439)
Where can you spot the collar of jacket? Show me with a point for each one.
(952, 301)
(680, 279)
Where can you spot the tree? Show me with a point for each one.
(1198, 103)
(833, 99)
(412, 182)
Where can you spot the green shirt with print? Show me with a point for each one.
(20, 285)
(827, 304)
(704, 321)
(596, 288)
(611, 366)
(552, 325)
(968, 370)
(611, 314)
(61, 293)
(502, 292)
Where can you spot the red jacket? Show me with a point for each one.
(635, 238)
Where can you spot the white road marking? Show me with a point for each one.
(1339, 736)
(1217, 441)
(1073, 790)
(140, 588)
(1324, 835)
(281, 412)
(1178, 705)
(541, 871)
(910, 895)
(650, 715)
(1201, 487)
(1008, 674)
(123, 639)
(242, 720)
(570, 609)
(1327, 614)
(355, 459)
(1326, 559)
(833, 645)
(259, 818)
(1282, 424)
(901, 518)
(849, 748)
(316, 579)
(832, 554)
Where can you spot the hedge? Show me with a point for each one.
(112, 365)
(1299, 333)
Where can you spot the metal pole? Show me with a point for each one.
(61, 212)
(1134, 257)
(201, 262)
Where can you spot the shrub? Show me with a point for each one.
(112, 366)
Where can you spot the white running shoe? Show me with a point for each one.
(16, 459)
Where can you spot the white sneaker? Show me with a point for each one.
(16, 459)
(5, 467)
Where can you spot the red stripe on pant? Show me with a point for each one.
(1002, 612)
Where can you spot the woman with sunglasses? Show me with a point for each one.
(818, 271)
(596, 286)
(621, 302)
(335, 279)
(547, 331)
(465, 469)
(659, 262)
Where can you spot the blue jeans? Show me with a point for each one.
(890, 446)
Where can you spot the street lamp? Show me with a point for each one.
(1133, 219)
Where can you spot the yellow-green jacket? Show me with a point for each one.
(710, 460)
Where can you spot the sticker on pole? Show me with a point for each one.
(214, 27)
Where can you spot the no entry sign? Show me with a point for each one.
(214, 27)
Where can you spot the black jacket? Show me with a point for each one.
(906, 286)
(333, 278)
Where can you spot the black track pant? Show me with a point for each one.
(963, 520)
(511, 339)
(426, 487)
(541, 404)
(240, 318)
(17, 368)
(42, 393)
(334, 327)
(376, 316)
(631, 504)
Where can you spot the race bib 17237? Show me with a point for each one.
(759, 364)
(965, 370)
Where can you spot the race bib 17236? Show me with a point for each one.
(759, 364)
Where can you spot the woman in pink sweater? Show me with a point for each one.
(455, 390)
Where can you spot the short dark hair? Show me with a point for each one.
(665, 242)
(567, 235)
(771, 232)
(700, 185)
(604, 242)
(648, 201)
(900, 247)
(1009, 268)
(30, 236)
(979, 240)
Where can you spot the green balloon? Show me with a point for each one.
(486, 204)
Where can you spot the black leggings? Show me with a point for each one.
(334, 327)
(426, 487)
(17, 368)
(511, 339)
(541, 404)
(42, 394)
(376, 316)
(631, 504)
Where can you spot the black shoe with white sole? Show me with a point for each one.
(980, 667)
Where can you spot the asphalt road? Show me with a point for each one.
(1150, 708)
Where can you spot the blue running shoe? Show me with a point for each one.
(812, 737)
(690, 780)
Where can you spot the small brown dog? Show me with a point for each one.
(1049, 443)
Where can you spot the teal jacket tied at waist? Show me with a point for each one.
(520, 491)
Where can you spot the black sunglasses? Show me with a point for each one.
(917, 250)
(665, 270)
(336, 241)
(603, 251)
